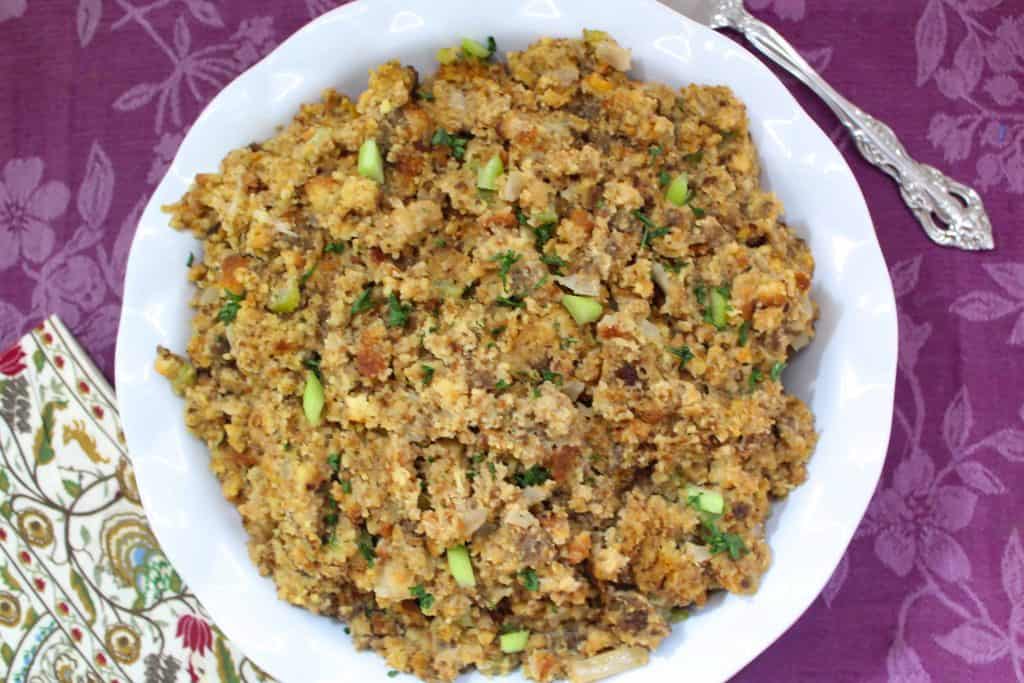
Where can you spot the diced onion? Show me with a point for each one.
(660, 276)
(579, 284)
(513, 186)
(607, 664)
(514, 641)
(614, 55)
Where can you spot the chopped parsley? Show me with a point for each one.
(697, 213)
(555, 261)
(655, 151)
(530, 580)
(744, 333)
(543, 234)
(664, 178)
(521, 217)
(651, 231)
(492, 46)
(456, 143)
(424, 95)
(718, 541)
(675, 265)
(425, 599)
(363, 302)
(776, 371)
(304, 278)
(684, 354)
(398, 313)
(502, 385)
(505, 261)
(392, 673)
(367, 544)
(756, 377)
(513, 301)
(334, 462)
(229, 310)
(498, 331)
(346, 486)
(312, 363)
(553, 377)
(474, 462)
(694, 158)
(428, 374)
(191, 259)
(534, 476)
(440, 242)
(334, 248)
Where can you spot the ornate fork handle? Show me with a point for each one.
(951, 213)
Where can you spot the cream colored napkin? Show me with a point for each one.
(86, 594)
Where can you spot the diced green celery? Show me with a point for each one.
(514, 641)
(285, 299)
(449, 289)
(544, 217)
(583, 309)
(475, 48)
(719, 306)
(447, 55)
(706, 501)
(679, 190)
(460, 566)
(371, 165)
(313, 399)
(184, 377)
(487, 176)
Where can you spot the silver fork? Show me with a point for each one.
(951, 213)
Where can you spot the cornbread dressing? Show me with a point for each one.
(602, 476)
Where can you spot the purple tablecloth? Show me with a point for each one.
(95, 96)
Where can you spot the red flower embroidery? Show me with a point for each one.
(63, 607)
(12, 361)
(101, 659)
(59, 361)
(97, 411)
(25, 557)
(3, 535)
(83, 387)
(196, 636)
(40, 584)
(76, 633)
(47, 338)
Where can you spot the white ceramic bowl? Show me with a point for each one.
(847, 375)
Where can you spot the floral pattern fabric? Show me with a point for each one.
(86, 594)
(99, 94)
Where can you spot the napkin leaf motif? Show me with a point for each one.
(78, 585)
(43, 448)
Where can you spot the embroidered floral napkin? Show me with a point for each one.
(86, 594)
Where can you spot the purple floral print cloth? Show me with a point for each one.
(97, 95)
